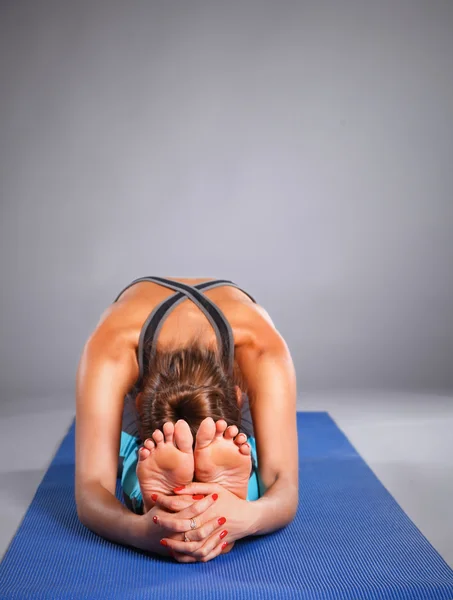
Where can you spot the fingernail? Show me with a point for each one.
(223, 534)
(224, 545)
(221, 521)
(155, 519)
(198, 496)
(164, 542)
(215, 496)
(178, 489)
(153, 497)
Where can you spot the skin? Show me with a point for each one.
(108, 369)
(221, 455)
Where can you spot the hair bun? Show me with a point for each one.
(189, 384)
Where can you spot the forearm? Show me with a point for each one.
(277, 507)
(103, 513)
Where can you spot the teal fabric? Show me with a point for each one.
(128, 451)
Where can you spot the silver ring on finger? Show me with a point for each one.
(186, 539)
(193, 524)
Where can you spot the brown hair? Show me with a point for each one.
(189, 384)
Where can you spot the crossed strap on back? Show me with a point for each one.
(154, 322)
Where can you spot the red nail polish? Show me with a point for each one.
(153, 497)
(224, 545)
(198, 496)
(223, 534)
(215, 496)
(155, 519)
(179, 488)
(221, 521)
(164, 542)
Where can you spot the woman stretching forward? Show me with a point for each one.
(174, 377)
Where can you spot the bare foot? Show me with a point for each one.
(166, 461)
(222, 456)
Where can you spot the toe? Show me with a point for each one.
(220, 427)
(143, 453)
(240, 439)
(169, 430)
(231, 432)
(158, 437)
(244, 449)
(205, 433)
(183, 436)
(149, 444)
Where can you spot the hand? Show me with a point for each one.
(174, 503)
(204, 543)
(162, 524)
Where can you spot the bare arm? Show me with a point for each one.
(270, 375)
(107, 370)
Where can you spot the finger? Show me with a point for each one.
(203, 534)
(198, 488)
(198, 507)
(185, 519)
(196, 549)
(172, 503)
(217, 550)
(182, 558)
(212, 547)
(172, 523)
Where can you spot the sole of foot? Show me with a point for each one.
(165, 461)
(222, 456)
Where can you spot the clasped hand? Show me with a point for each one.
(219, 516)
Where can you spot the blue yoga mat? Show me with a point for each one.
(349, 541)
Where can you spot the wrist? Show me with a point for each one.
(252, 517)
(144, 534)
(257, 511)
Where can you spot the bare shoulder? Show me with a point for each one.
(110, 348)
(258, 332)
(263, 357)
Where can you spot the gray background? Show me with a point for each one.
(302, 149)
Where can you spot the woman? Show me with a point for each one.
(188, 355)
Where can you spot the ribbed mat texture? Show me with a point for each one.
(349, 541)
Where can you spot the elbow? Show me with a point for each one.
(291, 507)
(292, 512)
(82, 513)
(292, 500)
(83, 505)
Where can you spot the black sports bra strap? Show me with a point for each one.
(215, 316)
(153, 324)
(218, 282)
